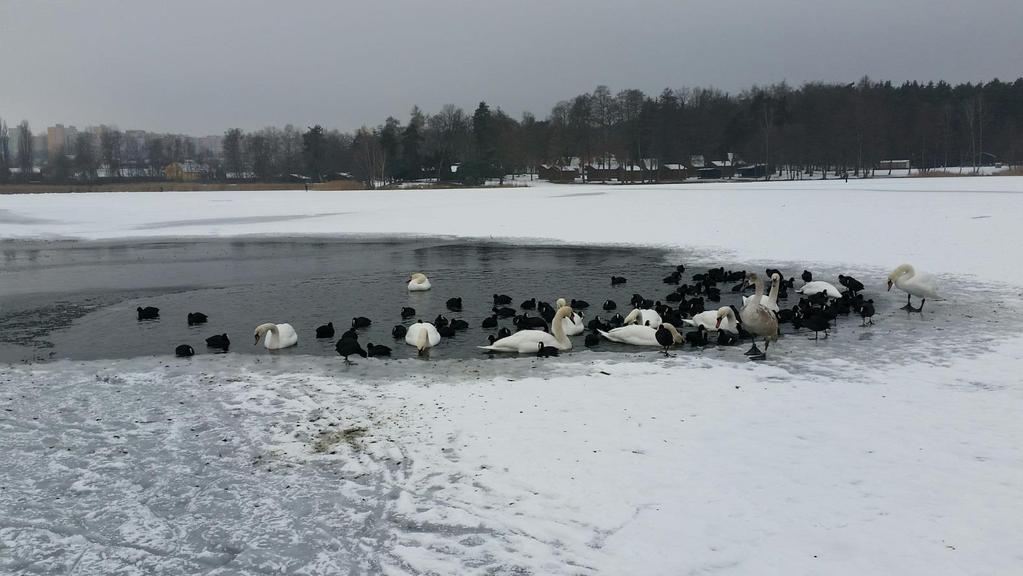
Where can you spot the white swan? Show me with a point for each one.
(281, 336)
(643, 318)
(525, 341)
(817, 286)
(771, 300)
(572, 327)
(758, 320)
(640, 335)
(423, 336)
(913, 283)
(721, 319)
(418, 282)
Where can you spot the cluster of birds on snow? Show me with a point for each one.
(649, 323)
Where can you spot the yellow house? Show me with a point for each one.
(185, 171)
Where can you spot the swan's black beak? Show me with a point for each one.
(889, 285)
(256, 342)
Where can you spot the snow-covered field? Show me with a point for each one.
(815, 462)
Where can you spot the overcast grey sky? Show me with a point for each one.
(202, 66)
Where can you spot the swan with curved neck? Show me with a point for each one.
(721, 319)
(640, 335)
(277, 336)
(574, 325)
(643, 317)
(423, 336)
(418, 282)
(771, 299)
(758, 320)
(525, 341)
(913, 283)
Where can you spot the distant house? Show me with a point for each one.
(754, 171)
(185, 171)
(672, 172)
(717, 170)
(557, 173)
(893, 165)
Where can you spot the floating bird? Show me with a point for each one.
(361, 322)
(525, 341)
(545, 351)
(504, 332)
(579, 304)
(528, 304)
(697, 337)
(592, 339)
(418, 282)
(184, 351)
(806, 276)
(643, 318)
(148, 313)
(502, 299)
(921, 285)
(399, 331)
(407, 312)
(195, 318)
(325, 331)
(423, 336)
(616, 280)
(377, 350)
(609, 305)
(490, 321)
(454, 304)
(220, 341)
(458, 324)
(280, 336)
(637, 335)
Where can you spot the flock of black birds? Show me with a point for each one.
(815, 313)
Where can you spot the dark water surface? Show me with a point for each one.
(77, 300)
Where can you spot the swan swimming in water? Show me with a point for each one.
(913, 283)
(637, 335)
(280, 336)
(758, 320)
(644, 318)
(423, 336)
(526, 341)
(418, 282)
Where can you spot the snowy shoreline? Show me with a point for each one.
(829, 458)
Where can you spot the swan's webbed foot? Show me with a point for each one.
(908, 307)
(349, 362)
(753, 351)
(758, 357)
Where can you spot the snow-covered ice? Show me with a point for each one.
(815, 462)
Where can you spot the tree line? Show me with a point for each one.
(813, 128)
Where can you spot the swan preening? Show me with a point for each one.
(418, 282)
(721, 319)
(423, 336)
(644, 318)
(913, 283)
(572, 326)
(526, 341)
(817, 286)
(277, 336)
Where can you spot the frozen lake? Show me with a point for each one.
(887, 449)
